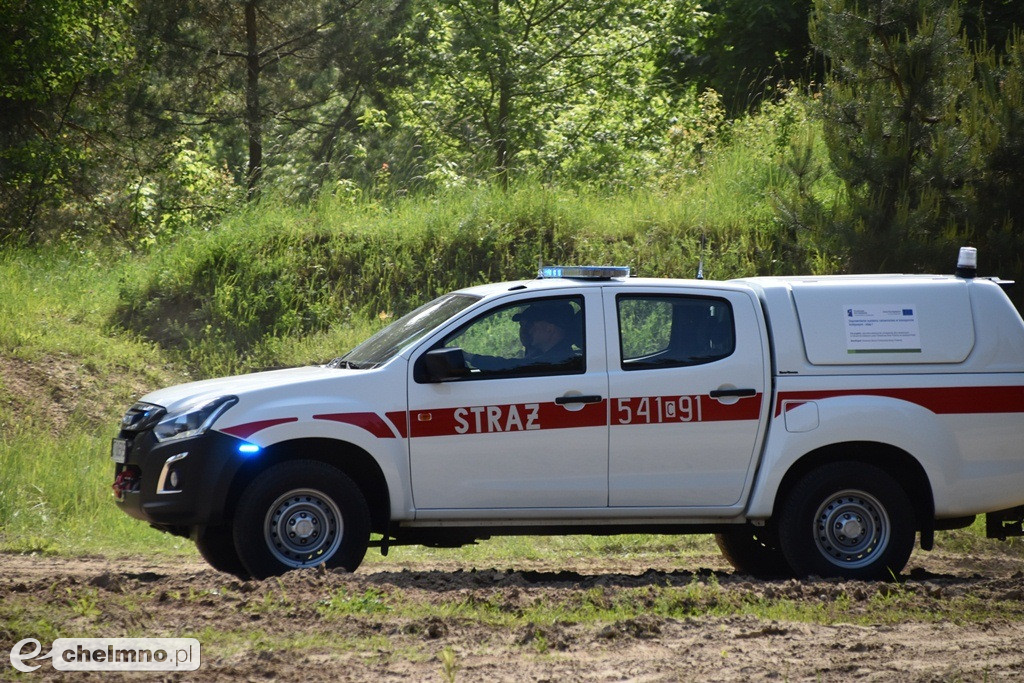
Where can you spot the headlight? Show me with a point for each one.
(193, 420)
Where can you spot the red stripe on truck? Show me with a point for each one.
(939, 400)
(524, 417)
(371, 422)
(398, 419)
(244, 431)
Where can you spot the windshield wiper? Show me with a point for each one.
(343, 364)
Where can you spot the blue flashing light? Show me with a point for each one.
(583, 272)
(248, 449)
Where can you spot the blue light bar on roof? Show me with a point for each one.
(584, 272)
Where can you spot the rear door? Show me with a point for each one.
(687, 381)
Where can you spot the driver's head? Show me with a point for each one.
(544, 324)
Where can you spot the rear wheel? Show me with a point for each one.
(301, 514)
(217, 546)
(849, 520)
(755, 551)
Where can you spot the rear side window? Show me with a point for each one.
(659, 331)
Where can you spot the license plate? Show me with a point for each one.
(119, 450)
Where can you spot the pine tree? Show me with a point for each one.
(901, 76)
(995, 123)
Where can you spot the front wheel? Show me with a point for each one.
(849, 520)
(301, 514)
(217, 546)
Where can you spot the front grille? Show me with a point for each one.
(141, 416)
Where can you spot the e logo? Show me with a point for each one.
(18, 657)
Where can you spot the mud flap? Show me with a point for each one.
(1003, 524)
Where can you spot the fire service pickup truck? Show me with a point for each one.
(816, 425)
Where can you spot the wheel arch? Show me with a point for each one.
(348, 458)
(903, 467)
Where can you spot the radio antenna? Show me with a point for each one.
(700, 263)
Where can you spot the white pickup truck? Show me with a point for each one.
(815, 424)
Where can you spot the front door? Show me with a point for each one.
(526, 425)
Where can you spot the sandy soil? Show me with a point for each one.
(173, 598)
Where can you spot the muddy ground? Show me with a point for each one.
(280, 629)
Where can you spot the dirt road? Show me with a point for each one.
(954, 619)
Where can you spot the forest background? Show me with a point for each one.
(273, 170)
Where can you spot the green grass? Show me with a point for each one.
(67, 377)
(703, 596)
(57, 300)
(55, 497)
(232, 642)
(506, 551)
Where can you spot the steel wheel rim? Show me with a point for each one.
(303, 528)
(851, 529)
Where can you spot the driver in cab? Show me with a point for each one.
(546, 331)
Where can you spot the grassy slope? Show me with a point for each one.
(65, 378)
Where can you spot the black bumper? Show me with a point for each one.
(203, 478)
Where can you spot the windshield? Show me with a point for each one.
(383, 346)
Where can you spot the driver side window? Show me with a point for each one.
(531, 338)
(495, 334)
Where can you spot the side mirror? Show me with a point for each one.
(441, 365)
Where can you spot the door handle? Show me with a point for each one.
(732, 393)
(567, 400)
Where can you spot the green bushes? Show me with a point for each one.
(233, 299)
(282, 283)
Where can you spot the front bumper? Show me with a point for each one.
(176, 483)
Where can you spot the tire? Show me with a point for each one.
(755, 551)
(217, 546)
(849, 520)
(301, 514)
